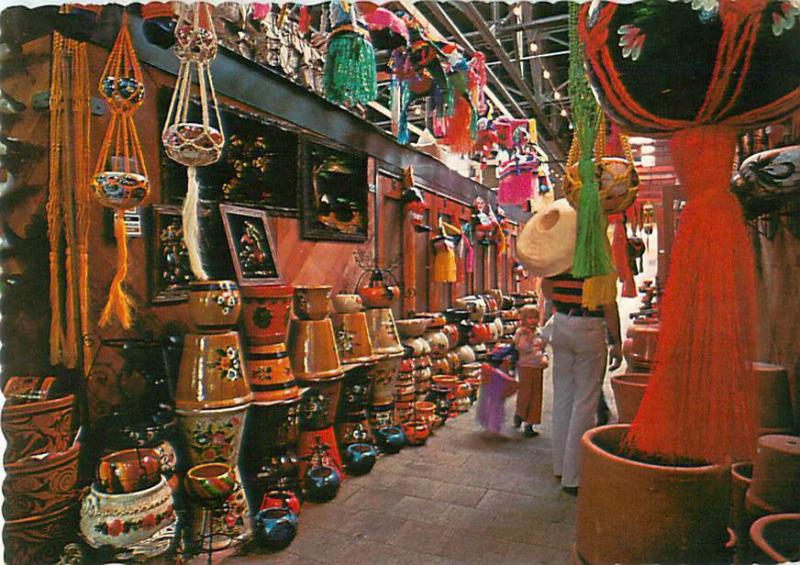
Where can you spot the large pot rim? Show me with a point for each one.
(139, 493)
(40, 406)
(37, 464)
(757, 533)
(267, 291)
(636, 379)
(12, 524)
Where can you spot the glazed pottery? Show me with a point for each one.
(774, 399)
(214, 305)
(425, 412)
(442, 398)
(383, 332)
(416, 432)
(378, 296)
(270, 373)
(437, 320)
(348, 433)
(475, 305)
(212, 435)
(628, 393)
(120, 189)
(312, 349)
(352, 338)
(741, 478)
(321, 483)
(21, 390)
(776, 474)
(40, 484)
(670, 514)
(40, 538)
(453, 360)
(355, 394)
(276, 527)
(212, 373)
(456, 316)
(390, 439)
(416, 345)
(265, 313)
(122, 520)
(39, 427)
(412, 327)
(325, 441)
(279, 472)
(381, 414)
(777, 538)
(128, 470)
(280, 499)
(271, 427)
(438, 342)
(319, 403)
(639, 348)
(466, 355)
(210, 482)
(312, 302)
(346, 303)
(383, 375)
(233, 524)
(192, 144)
(359, 458)
(617, 184)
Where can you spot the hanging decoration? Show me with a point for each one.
(518, 173)
(120, 179)
(700, 401)
(350, 59)
(190, 143)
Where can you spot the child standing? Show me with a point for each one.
(496, 386)
(531, 363)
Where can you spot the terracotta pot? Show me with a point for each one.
(21, 390)
(669, 514)
(741, 478)
(352, 338)
(306, 444)
(360, 458)
(280, 499)
(128, 470)
(312, 349)
(319, 403)
(270, 372)
(777, 538)
(355, 395)
(234, 524)
(383, 376)
(210, 482)
(383, 332)
(39, 485)
(776, 474)
(628, 393)
(416, 432)
(453, 360)
(212, 373)
(437, 320)
(378, 296)
(774, 400)
(214, 305)
(41, 538)
(346, 303)
(425, 412)
(381, 414)
(465, 355)
(212, 436)
(451, 333)
(122, 520)
(266, 313)
(412, 327)
(312, 302)
(440, 366)
(272, 427)
(277, 527)
(474, 305)
(37, 427)
(348, 433)
(450, 382)
(639, 348)
(416, 345)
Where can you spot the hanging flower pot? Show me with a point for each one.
(193, 144)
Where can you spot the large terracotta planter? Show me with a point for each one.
(307, 443)
(774, 406)
(212, 373)
(383, 375)
(41, 538)
(312, 349)
(214, 305)
(312, 302)
(628, 393)
(383, 332)
(355, 395)
(37, 427)
(776, 476)
(39, 485)
(271, 428)
(212, 435)
(270, 373)
(265, 313)
(777, 538)
(634, 512)
(320, 402)
(639, 347)
(353, 342)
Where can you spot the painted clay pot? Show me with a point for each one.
(416, 432)
(312, 349)
(210, 482)
(383, 376)
(352, 338)
(774, 406)
(214, 305)
(741, 478)
(312, 302)
(21, 390)
(128, 470)
(474, 305)
(628, 393)
(321, 483)
(438, 342)
(776, 474)
(212, 436)
(453, 360)
(212, 373)
(319, 403)
(348, 433)
(383, 332)
(41, 538)
(265, 313)
(233, 524)
(425, 411)
(381, 414)
(639, 348)
(346, 303)
(37, 427)
(450, 382)
(355, 395)
(390, 439)
(122, 520)
(40, 485)
(271, 428)
(308, 442)
(776, 538)
(456, 316)
(359, 458)
(276, 528)
(378, 296)
(415, 345)
(270, 373)
(280, 499)
(691, 505)
(475, 385)
(412, 327)
(466, 355)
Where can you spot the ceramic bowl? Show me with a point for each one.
(192, 144)
(128, 470)
(214, 304)
(210, 482)
(412, 327)
(346, 303)
(276, 527)
(391, 439)
(40, 427)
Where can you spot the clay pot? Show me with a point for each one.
(128, 470)
(628, 393)
(465, 355)
(214, 305)
(390, 439)
(474, 305)
(280, 499)
(776, 474)
(668, 514)
(416, 432)
(319, 403)
(381, 414)
(122, 520)
(346, 303)
(210, 482)
(437, 320)
(271, 428)
(355, 395)
(270, 372)
(359, 458)
(378, 296)
(266, 313)
(40, 484)
(383, 377)
(383, 332)
(777, 538)
(212, 436)
(233, 524)
(276, 528)
(639, 348)
(451, 333)
(412, 327)
(425, 412)
(416, 345)
(312, 349)
(21, 390)
(774, 406)
(321, 484)
(212, 373)
(40, 538)
(453, 360)
(348, 433)
(438, 342)
(37, 427)
(352, 338)
(307, 443)
(312, 302)
(450, 382)
(741, 478)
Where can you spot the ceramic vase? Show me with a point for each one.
(383, 375)
(346, 303)
(38, 427)
(311, 302)
(276, 528)
(265, 313)
(639, 347)
(352, 337)
(270, 373)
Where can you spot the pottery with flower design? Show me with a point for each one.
(270, 373)
(312, 302)
(214, 305)
(265, 313)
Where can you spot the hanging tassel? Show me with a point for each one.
(350, 68)
(700, 401)
(460, 135)
(119, 303)
(191, 225)
(599, 291)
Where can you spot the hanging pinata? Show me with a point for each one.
(518, 173)
(350, 58)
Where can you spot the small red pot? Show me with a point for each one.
(280, 499)
(266, 313)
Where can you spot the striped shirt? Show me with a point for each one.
(567, 293)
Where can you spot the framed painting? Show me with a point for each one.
(250, 244)
(335, 189)
(170, 271)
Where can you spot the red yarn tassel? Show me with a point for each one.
(700, 403)
(619, 254)
(459, 134)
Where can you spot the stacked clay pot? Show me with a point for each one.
(773, 396)
(438, 343)
(414, 376)
(213, 394)
(629, 390)
(41, 471)
(639, 347)
(776, 474)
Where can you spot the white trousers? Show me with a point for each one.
(579, 357)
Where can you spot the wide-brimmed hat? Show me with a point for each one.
(547, 242)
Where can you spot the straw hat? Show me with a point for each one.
(547, 241)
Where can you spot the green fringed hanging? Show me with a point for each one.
(591, 255)
(350, 68)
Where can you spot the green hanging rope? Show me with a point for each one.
(591, 252)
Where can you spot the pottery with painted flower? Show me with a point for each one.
(265, 313)
(128, 470)
(214, 305)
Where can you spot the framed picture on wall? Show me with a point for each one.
(170, 271)
(250, 244)
(335, 186)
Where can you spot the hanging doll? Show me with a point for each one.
(484, 225)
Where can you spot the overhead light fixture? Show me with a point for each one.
(517, 10)
(534, 47)
(563, 113)
(557, 95)
(546, 74)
